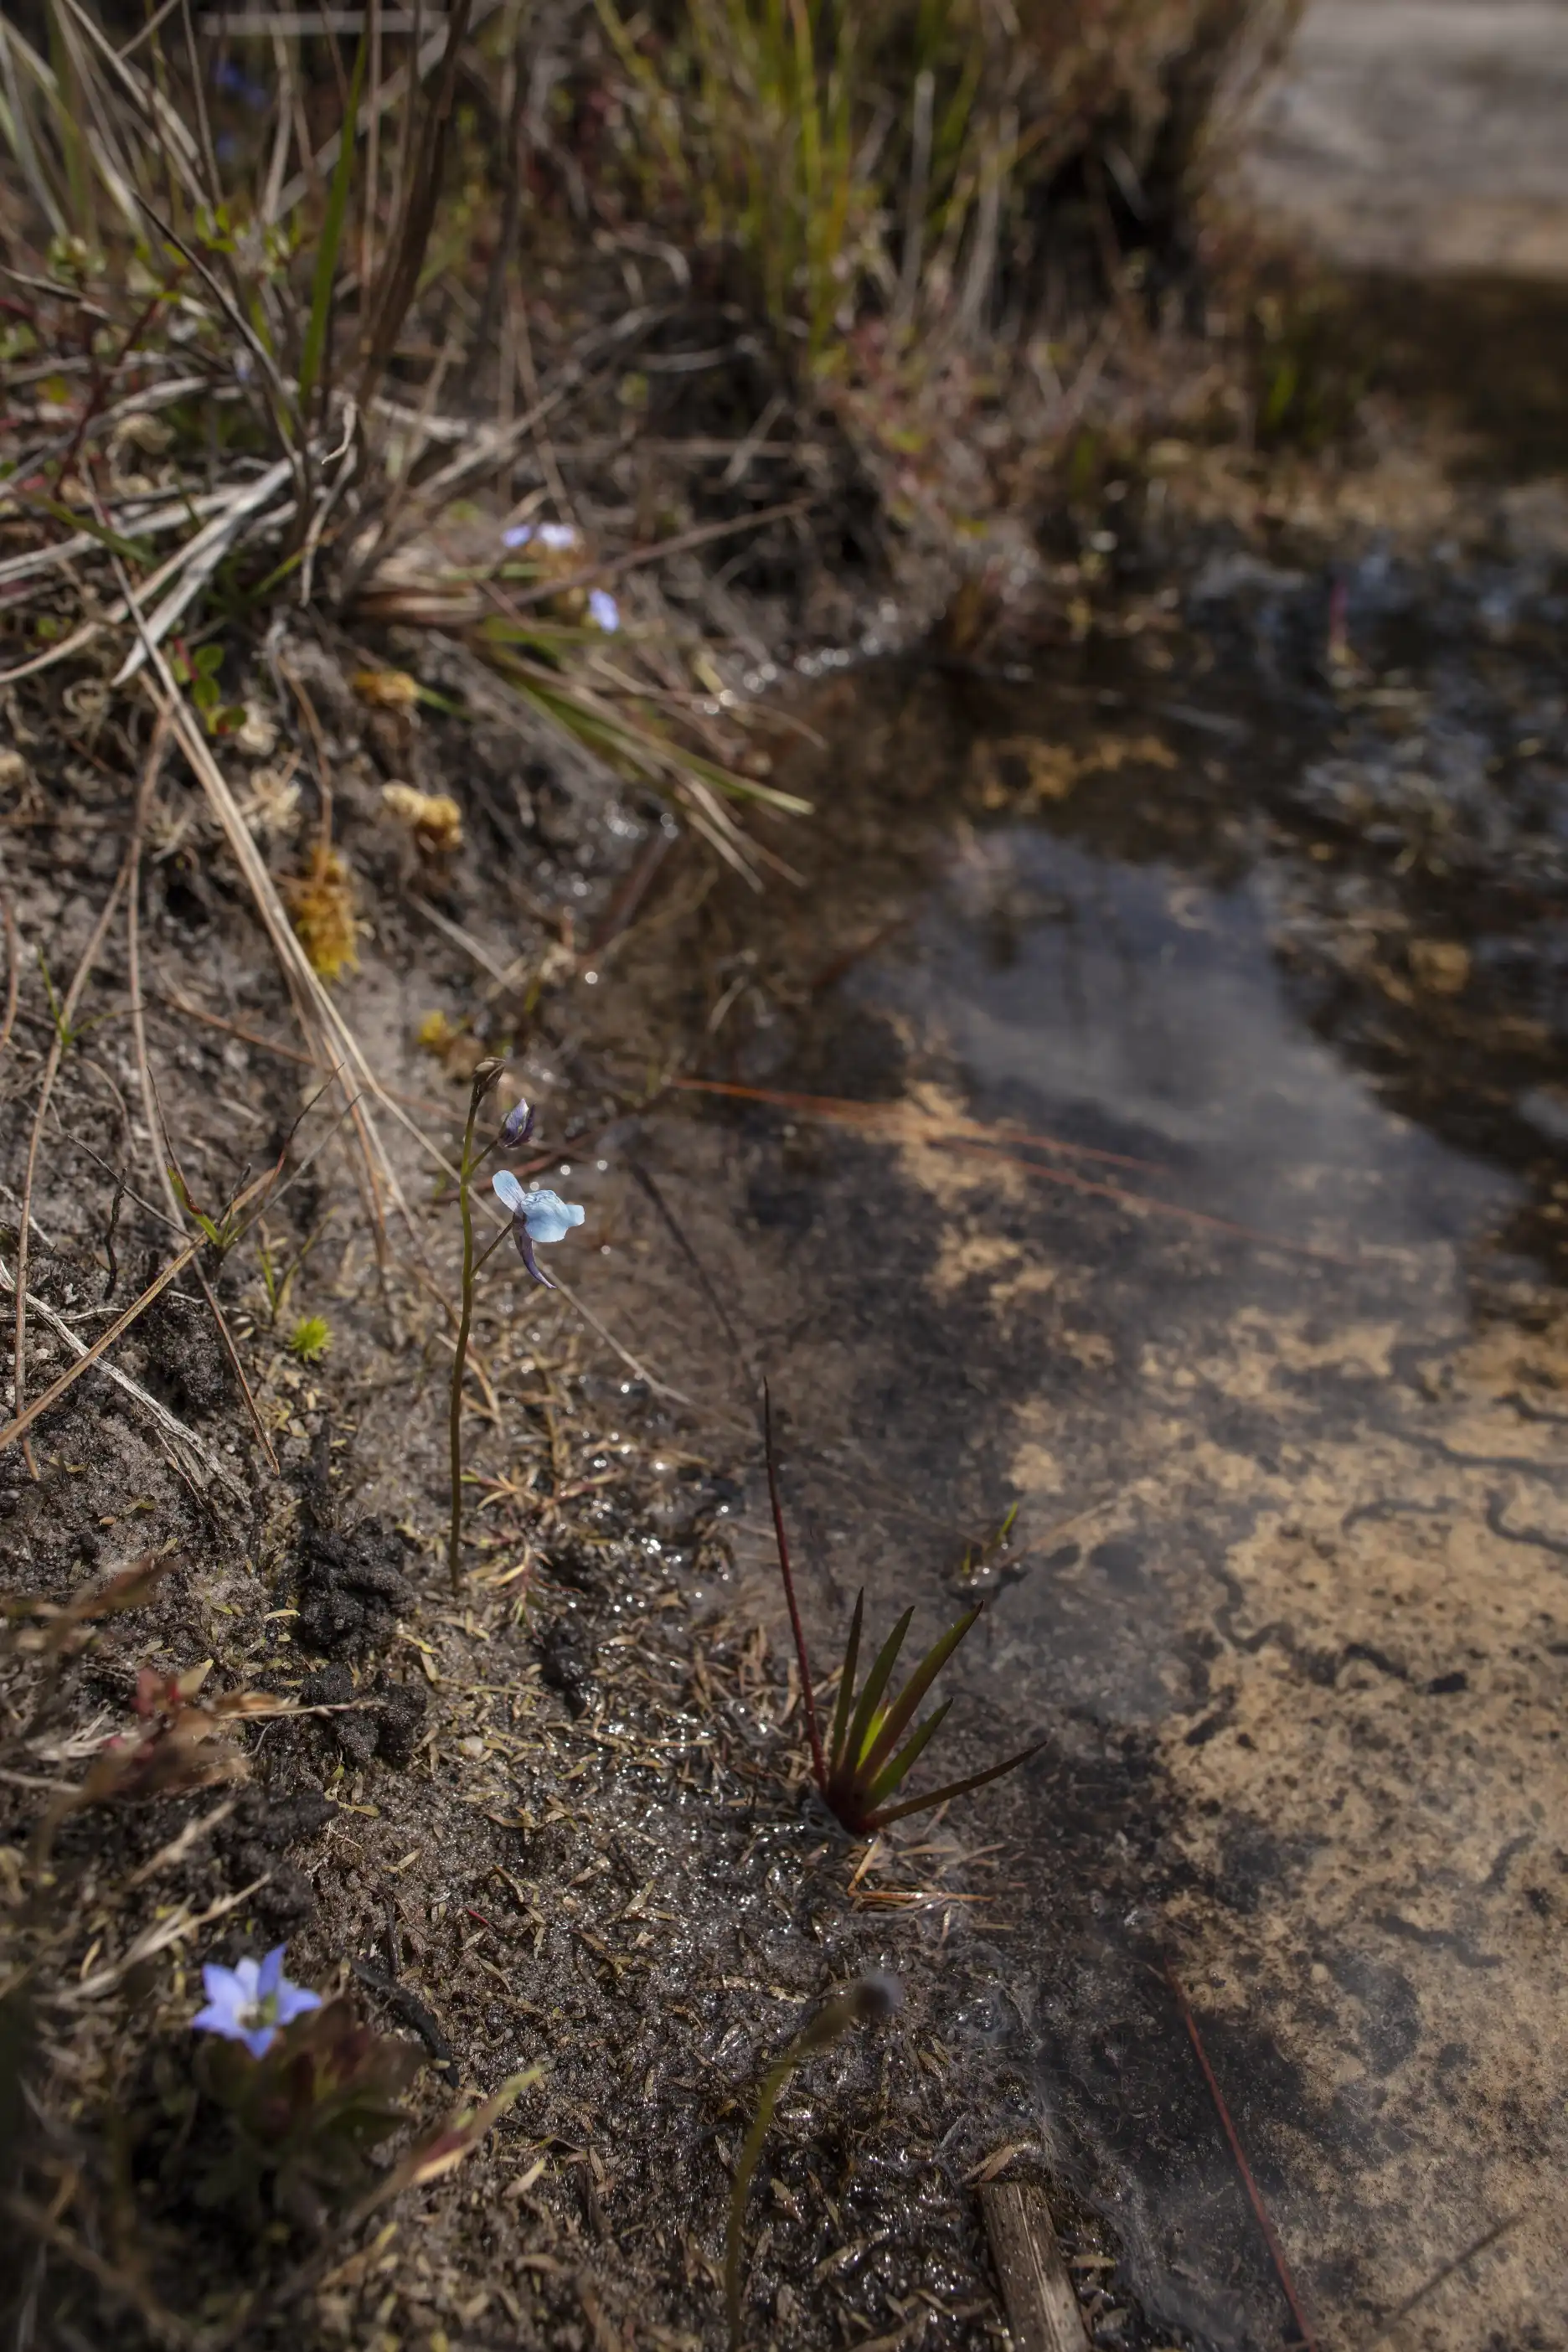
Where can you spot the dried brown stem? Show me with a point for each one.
(12, 971)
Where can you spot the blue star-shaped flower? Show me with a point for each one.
(537, 1215)
(249, 2003)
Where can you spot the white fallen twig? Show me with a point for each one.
(193, 565)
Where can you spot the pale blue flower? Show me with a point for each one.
(249, 2003)
(537, 1215)
(555, 537)
(604, 611)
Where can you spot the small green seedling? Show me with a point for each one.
(199, 672)
(69, 1032)
(311, 1338)
(978, 1556)
(864, 1765)
(222, 1231)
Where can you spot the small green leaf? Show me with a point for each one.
(846, 1685)
(903, 1709)
(952, 1788)
(890, 1777)
(870, 1697)
(315, 341)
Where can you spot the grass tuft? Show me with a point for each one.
(863, 1765)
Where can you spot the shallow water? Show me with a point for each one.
(1262, 1333)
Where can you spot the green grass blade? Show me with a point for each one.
(953, 1789)
(846, 1685)
(327, 252)
(131, 551)
(902, 1711)
(18, 127)
(887, 1781)
(870, 1697)
(581, 714)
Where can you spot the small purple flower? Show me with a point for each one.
(517, 1126)
(555, 537)
(604, 611)
(249, 2003)
(537, 1215)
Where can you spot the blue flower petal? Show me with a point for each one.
(509, 1192)
(548, 1217)
(221, 1985)
(604, 611)
(270, 1975)
(525, 1251)
(214, 2019)
(295, 2001)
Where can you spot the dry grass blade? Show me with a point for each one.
(187, 1444)
(21, 1422)
(325, 1031)
(412, 235)
(196, 562)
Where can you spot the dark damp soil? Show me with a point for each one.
(1233, 866)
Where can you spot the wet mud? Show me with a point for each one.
(1148, 1120)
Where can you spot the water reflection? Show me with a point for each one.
(1273, 1393)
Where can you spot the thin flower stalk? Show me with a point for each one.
(485, 1077)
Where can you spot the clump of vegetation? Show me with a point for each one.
(863, 1766)
(893, 166)
(311, 1338)
(309, 2091)
(322, 903)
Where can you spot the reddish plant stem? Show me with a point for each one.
(1254, 2195)
(807, 1694)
